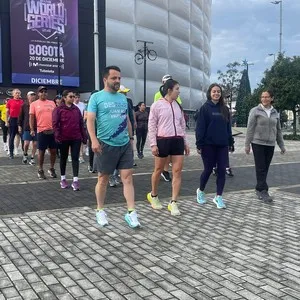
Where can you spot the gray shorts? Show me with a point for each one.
(113, 157)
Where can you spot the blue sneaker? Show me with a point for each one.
(132, 219)
(200, 197)
(218, 200)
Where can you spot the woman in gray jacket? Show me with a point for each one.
(263, 131)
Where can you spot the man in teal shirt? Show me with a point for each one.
(112, 145)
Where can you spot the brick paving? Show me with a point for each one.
(52, 248)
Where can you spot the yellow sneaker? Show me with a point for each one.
(173, 208)
(154, 201)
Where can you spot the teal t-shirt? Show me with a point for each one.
(111, 111)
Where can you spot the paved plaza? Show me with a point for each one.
(52, 248)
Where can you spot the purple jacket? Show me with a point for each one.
(68, 124)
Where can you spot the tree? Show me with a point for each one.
(242, 105)
(230, 81)
(284, 79)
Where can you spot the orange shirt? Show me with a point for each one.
(42, 110)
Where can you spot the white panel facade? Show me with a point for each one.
(180, 31)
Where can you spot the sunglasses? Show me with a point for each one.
(43, 91)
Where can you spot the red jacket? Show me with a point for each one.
(68, 124)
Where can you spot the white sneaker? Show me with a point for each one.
(173, 208)
(101, 218)
(132, 219)
(69, 158)
(5, 147)
(81, 160)
(87, 151)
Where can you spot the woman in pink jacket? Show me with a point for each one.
(166, 132)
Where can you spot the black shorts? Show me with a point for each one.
(46, 141)
(170, 146)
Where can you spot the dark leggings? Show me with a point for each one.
(91, 153)
(4, 132)
(262, 157)
(214, 156)
(64, 151)
(13, 131)
(141, 136)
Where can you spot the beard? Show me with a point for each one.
(114, 86)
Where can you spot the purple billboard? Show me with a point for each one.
(44, 36)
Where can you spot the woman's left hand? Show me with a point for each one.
(187, 150)
(282, 151)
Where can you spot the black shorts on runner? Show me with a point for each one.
(170, 146)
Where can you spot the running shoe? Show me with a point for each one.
(41, 174)
(32, 161)
(112, 181)
(69, 158)
(229, 172)
(75, 185)
(101, 218)
(218, 200)
(200, 197)
(173, 208)
(215, 171)
(81, 160)
(25, 159)
(265, 197)
(64, 184)
(132, 219)
(154, 201)
(166, 176)
(52, 173)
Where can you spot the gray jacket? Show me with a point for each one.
(263, 130)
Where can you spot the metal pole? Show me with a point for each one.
(145, 68)
(58, 64)
(280, 31)
(96, 46)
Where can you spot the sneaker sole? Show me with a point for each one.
(215, 202)
(131, 226)
(75, 190)
(165, 179)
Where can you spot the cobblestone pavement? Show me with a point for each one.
(248, 251)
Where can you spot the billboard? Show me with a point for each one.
(0, 55)
(44, 42)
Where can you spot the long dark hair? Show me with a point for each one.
(64, 95)
(224, 109)
(168, 85)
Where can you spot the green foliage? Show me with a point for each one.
(230, 79)
(284, 79)
(243, 101)
(291, 137)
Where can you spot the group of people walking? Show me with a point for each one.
(110, 126)
(108, 111)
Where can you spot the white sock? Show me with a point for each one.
(63, 177)
(75, 178)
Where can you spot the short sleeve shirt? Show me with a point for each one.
(111, 117)
(81, 107)
(14, 107)
(42, 110)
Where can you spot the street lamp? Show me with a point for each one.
(272, 54)
(280, 26)
(141, 57)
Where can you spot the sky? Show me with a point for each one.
(249, 29)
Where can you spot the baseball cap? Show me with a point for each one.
(166, 77)
(123, 89)
(30, 93)
(42, 88)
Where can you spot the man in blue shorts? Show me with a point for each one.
(108, 110)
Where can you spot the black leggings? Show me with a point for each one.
(13, 131)
(91, 153)
(141, 136)
(4, 131)
(64, 151)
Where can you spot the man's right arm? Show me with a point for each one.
(90, 122)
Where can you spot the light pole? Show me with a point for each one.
(272, 54)
(141, 57)
(96, 46)
(280, 26)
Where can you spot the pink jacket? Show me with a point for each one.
(165, 120)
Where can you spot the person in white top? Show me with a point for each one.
(81, 107)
